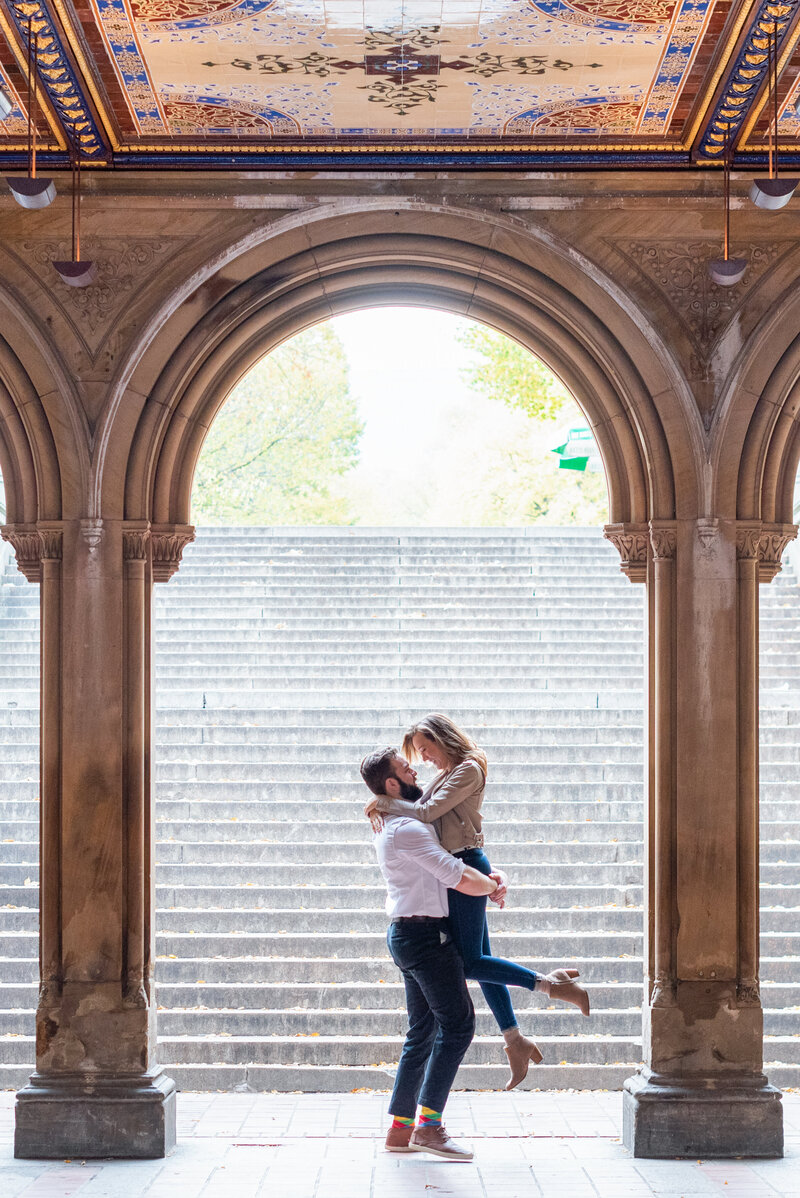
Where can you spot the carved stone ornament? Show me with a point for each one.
(92, 532)
(631, 542)
(134, 542)
(27, 545)
(123, 268)
(52, 539)
(748, 993)
(679, 270)
(748, 541)
(664, 540)
(707, 533)
(663, 993)
(168, 543)
(774, 539)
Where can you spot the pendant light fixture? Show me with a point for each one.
(727, 271)
(28, 190)
(76, 273)
(5, 104)
(772, 193)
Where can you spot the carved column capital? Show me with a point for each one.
(135, 536)
(631, 542)
(52, 539)
(774, 539)
(24, 539)
(168, 542)
(748, 540)
(664, 539)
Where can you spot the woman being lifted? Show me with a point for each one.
(453, 802)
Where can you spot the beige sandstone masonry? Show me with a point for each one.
(105, 398)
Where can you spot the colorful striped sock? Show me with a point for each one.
(399, 1121)
(428, 1117)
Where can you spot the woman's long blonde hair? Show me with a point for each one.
(448, 736)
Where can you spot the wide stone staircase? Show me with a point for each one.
(283, 657)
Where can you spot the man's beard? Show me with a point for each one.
(410, 792)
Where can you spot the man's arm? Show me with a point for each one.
(474, 882)
(462, 783)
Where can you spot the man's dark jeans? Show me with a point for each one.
(441, 1018)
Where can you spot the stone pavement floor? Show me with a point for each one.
(560, 1144)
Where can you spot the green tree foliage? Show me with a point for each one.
(501, 369)
(285, 434)
(516, 478)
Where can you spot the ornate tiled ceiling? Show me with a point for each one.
(487, 83)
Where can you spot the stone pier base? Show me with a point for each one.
(723, 1117)
(77, 1116)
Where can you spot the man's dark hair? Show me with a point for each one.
(377, 767)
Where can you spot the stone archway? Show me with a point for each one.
(702, 1089)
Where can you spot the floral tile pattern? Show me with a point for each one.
(417, 68)
(199, 77)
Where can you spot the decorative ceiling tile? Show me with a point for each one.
(507, 82)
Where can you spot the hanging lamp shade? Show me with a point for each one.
(772, 194)
(5, 104)
(32, 193)
(77, 274)
(726, 272)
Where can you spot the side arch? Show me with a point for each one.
(28, 457)
(770, 453)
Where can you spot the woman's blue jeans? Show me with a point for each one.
(470, 932)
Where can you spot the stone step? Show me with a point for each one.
(342, 873)
(326, 920)
(344, 1079)
(346, 945)
(257, 972)
(366, 895)
(356, 718)
(272, 831)
(216, 747)
(372, 1050)
(221, 854)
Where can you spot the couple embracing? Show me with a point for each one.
(430, 852)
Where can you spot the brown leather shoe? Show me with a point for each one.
(434, 1139)
(397, 1139)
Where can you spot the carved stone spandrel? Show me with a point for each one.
(679, 270)
(123, 267)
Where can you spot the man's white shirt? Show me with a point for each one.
(417, 870)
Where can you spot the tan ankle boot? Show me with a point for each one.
(521, 1052)
(559, 984)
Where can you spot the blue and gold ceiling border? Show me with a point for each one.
(736, 107)
(57, 78)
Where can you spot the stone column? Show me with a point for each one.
(97, 1090)
(701, 1090)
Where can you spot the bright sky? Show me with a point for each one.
(405, 368)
